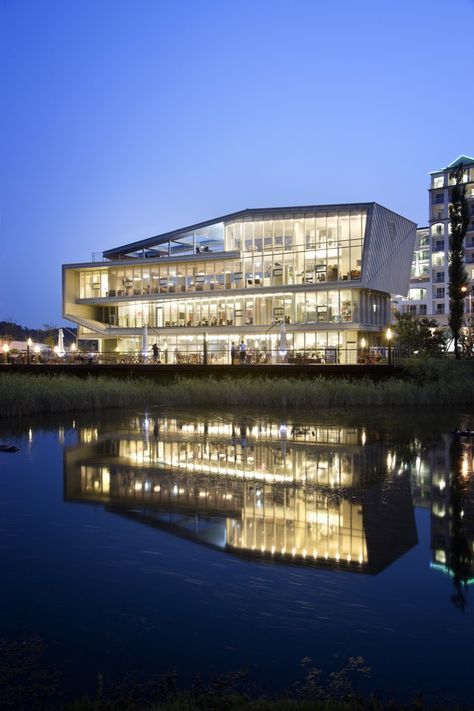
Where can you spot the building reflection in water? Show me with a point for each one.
(282, 491)
(451, 499)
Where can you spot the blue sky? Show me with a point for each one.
(121, 119)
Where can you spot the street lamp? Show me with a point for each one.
(465, 290)
(29, 343)
(388, 335)
(6, 349)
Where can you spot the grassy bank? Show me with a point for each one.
(424, 384)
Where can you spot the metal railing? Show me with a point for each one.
(382, 355)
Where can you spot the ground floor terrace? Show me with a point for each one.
(277, 345)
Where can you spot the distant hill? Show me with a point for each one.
(48, 334)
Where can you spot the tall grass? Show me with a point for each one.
(31, 394)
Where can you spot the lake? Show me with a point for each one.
(223, 542)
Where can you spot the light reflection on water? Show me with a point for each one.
(290, 491)
(288, 514)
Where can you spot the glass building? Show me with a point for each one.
(296, 283)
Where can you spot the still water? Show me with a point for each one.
(224, 542)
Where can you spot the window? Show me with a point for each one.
(440, 308)
(411, 309)
(440, 292)
(439, 245)
(422, 309)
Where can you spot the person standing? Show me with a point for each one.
(156, 352)
(243, 352)
(233, 353)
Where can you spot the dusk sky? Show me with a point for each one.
(123, 119)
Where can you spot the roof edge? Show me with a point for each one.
(165, 236)
(468, 160)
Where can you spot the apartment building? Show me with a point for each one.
(291, 283)
(428, 293)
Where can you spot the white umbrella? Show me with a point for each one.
(282, 346)
(145, 340)
(60, 350)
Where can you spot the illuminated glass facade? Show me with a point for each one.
(239, 278)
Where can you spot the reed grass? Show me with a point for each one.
(435, 384)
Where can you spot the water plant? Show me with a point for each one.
(422, 384)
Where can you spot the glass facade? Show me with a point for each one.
(242, 277)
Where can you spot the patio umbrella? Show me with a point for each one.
(282, 345)
(60, 349)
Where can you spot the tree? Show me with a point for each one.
(460, 556)
(50, 337)
(419, 335)
(458, 281)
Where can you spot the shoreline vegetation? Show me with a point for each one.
(207, 702)
(423, 383)
(30, 685)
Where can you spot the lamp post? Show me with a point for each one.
(467, 292)
(388, 334)
(6, 349)
(29, 343)
(464, 294)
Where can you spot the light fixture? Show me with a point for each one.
(5, 349)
